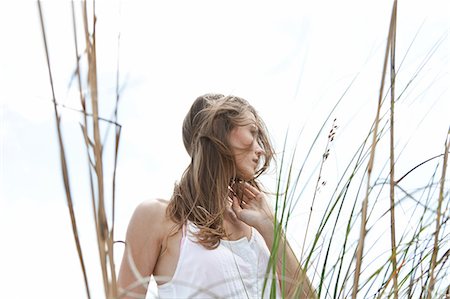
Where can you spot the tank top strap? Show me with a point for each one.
(183, 230)
(183, 235)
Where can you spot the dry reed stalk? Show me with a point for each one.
(392, 160)
(438, 219)
(116, 155)
(105, 237)
(101, 225)
(360, 247)
(390, 278)
(111, 233)
(105, 243)
(63, 159)
(84, 127)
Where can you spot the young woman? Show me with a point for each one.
(213, 238)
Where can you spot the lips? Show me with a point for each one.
(256, 161)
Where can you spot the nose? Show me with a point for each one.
(259, 150)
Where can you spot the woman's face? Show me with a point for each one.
(243, 140)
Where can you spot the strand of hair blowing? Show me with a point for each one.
(201, 194)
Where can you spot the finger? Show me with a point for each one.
(244, 205)
(231, 212)
(236, 206)
(249, 194)
(239, 193)
(251, 188)
(233, 193)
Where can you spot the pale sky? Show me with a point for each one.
(292, 60)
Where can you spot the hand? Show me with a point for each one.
(252, 207)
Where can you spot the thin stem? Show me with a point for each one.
(64, 167)
(438, 219)
(392, 160)
(360, 247)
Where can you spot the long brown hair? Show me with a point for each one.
(201, 194)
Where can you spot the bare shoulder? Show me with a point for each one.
(155, 207)
(144, 238)
(149, 220)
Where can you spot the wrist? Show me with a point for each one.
(266, 225)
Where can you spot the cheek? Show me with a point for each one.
(241, 140)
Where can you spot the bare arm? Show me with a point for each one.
(295, 278)
(143, 245)
(255, 212)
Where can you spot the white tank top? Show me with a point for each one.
(235, 269)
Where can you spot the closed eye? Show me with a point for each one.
(254, 130)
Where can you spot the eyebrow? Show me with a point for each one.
(250, 123)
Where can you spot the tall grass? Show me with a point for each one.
(94, 147)
(339, 261)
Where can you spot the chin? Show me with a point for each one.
(247, 176)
